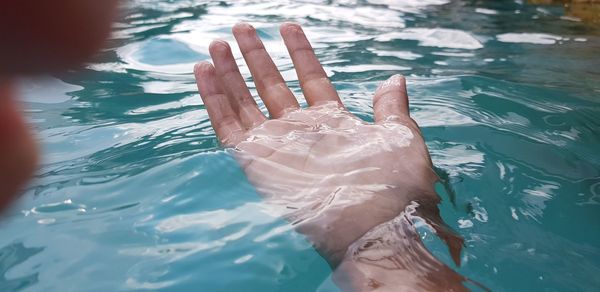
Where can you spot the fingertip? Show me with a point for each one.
(391, 99)
(399, 78)
(218, 47)
(202, 67)
(289, 27)
(242, 28)
(396, 80)
(246, 37)
(205, 75)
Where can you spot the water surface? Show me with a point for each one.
(135, 193)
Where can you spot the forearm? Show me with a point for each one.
(369, 239)
(345, 215)
(338, 206)
(391, 257)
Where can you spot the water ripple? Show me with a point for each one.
(134, 186)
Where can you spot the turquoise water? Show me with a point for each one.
(134, 192)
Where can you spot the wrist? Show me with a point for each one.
(346, 214)
(391, 257)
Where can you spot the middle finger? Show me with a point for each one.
(271, 87)
(314, 82)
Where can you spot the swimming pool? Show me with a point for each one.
(134, 192)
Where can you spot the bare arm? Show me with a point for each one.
(351, 187)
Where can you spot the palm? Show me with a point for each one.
(303, 157)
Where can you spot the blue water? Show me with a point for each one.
(135, 193)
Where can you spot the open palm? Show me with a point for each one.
(331, 174)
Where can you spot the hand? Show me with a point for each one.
(331, 174)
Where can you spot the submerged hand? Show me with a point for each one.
(339, 179)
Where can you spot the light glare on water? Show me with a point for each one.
(134, 191)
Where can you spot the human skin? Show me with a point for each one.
(354, 200)
(18, 153)
(40, 37)
(355, 189)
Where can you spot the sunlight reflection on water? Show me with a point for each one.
(134, 186)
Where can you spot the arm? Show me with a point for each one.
(373, 245)
(391, 257)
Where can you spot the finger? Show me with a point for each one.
(314, 82)
(222, 117)
(391, 100)
(234, 86)
(271, 87)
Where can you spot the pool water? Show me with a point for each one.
(134, 192)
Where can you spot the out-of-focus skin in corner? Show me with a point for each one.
(40, 37)
(50, 36)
